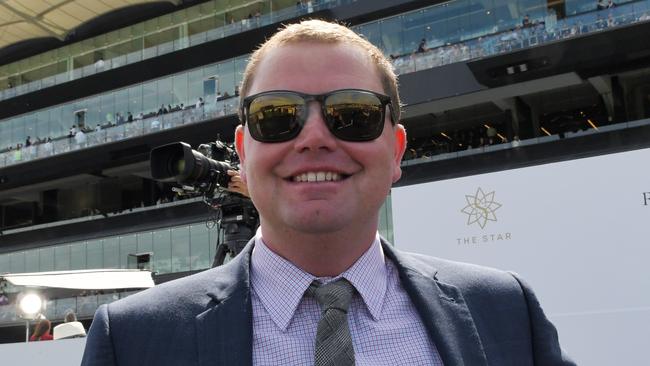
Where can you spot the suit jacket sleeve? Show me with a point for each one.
(99, 345)
(546, 345)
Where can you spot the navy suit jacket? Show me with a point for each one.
(476, 316)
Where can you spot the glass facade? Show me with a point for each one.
(175, 249)
(104, 117)
(467, 29)
(421, 39)
(154, 37)
(485, 27)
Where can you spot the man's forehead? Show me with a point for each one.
(319, 60)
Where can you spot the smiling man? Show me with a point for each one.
(320, 146)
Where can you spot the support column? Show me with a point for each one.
(603, 85)
(184, 38)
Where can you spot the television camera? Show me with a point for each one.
(204, 172)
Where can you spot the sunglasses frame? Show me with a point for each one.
(320, 98)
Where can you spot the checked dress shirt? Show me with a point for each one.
(384, 325)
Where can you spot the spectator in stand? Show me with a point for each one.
(130, 117)
(199, 103)
(47, 148)
(422, 47)
(73, 131)
(119, 119)
(602, 4)
(99, 65)
(98, 128)
(71, 328)
(611, 22)
(611, 4)
(80, 138)
(42, 331)
(258, 16)
(28, 142)
(526, 21)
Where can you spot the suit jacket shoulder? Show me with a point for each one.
(501, 320)
(195, 320)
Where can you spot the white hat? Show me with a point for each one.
(69, 330)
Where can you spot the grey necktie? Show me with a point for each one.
(333, 341)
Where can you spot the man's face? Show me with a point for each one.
(368, 169)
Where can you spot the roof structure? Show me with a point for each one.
(21, 20)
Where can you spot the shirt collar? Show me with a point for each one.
(272, 275)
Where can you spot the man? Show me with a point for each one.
(320, 147)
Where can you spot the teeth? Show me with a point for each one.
(317, 177)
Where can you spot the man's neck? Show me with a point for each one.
(322, 255)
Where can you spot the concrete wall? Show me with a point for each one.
(65, 352)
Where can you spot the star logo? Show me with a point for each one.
(480, 208)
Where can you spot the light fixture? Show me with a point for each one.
(592, 124)
(30, 305)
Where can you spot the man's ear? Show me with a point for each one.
(239, 147)
(400, 147)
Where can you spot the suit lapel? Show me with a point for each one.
(443, 311)
(224, 330)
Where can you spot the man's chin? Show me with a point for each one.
(318, 224)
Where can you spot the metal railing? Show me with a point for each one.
(112, 132)
(171, 46)
(524, 37)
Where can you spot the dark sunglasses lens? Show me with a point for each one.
(275, 117)
(355, 115)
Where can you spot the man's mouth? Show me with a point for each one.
(320, 176)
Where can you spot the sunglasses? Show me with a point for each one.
(350, 114)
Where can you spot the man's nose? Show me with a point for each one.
(314, 134)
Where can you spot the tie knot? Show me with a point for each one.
(334, 295)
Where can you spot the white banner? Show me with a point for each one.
(576, 230)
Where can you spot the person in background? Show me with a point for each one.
(236, 185)
(71, 328)
(422, 47)
(42, 331)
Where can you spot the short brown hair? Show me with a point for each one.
(320, 31)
